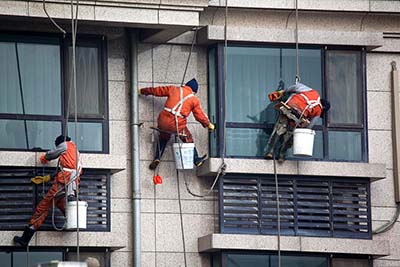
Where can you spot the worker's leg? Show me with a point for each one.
(38, 217)
(286, 144)
(280, 129)
(42, 210)
(163, 139)
(188, 138)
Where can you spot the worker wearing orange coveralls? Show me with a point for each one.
(305, 102)
(67, 153)
(177, 106)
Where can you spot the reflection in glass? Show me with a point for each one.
(90, 135)
(40, 134)
(345, 146)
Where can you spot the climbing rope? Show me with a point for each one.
(74, 26)
(297, 44)
(278, 211)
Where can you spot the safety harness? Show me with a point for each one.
(176, 110)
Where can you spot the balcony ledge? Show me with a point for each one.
(216, 242)
(372, 171)
(114, 163)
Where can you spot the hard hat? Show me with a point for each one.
(92, 262)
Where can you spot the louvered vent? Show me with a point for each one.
(19, 197)
(308, 206)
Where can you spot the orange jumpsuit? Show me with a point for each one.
(66, 152)
(166, 120)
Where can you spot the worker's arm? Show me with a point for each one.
(199, 114)
(55, 153)
(158, 91)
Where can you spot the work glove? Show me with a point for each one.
(274, 96)
(211, 127)
(43, 159)
(41, 179)
(139, 91)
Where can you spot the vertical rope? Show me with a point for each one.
(225, 79)
(278, 213)
(22, 95)
(74, 27)
(297, 44)
(157, 168)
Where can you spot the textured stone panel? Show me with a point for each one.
(119, 100)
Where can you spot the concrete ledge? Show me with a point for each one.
(372, 171)
(91, 161)
(338, 5)
(215, 242)
(213, 33)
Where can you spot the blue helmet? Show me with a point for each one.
(193, 84)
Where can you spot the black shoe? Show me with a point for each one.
(23, 241)
(281, 159)
(153, 165)
(200, 160)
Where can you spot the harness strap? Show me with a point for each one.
(311, 103)
(176, 110)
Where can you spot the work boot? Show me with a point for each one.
(198, 161)
(268, 155)
(153, 165)
(23, 241)
(281, 158)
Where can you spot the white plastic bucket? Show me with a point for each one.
(186, 150)
(303, 142)
(71, 214)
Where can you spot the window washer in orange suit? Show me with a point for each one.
(304, 102)
(67, 175)
(178, 107)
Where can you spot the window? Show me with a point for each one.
(309, 206)
(19, 198)
(36, 94)
(254, 72)
(259, 259)
(18, 257)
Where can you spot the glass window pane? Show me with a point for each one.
(343, 262)
(212, 106)
(235, 260)
(309, 64)
(89, 94)
(20, 258)
(100, 256)
(344, 86)
(345, 146)
(246, 142)
(40, 134)
(300, 261)
(90, 135)
(39, 70)
(5, 259)
(254, 72)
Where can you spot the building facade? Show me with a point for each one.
(331, 205)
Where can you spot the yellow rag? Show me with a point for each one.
(41, 179)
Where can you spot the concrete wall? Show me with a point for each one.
(161, 64)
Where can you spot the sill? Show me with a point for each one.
(217, 242)
(114, 163)
(372, 171)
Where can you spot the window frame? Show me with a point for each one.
(222, 256)
(325, 128)
(97, 41)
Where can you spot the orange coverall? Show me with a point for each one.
(166, 120)
(66, 152)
